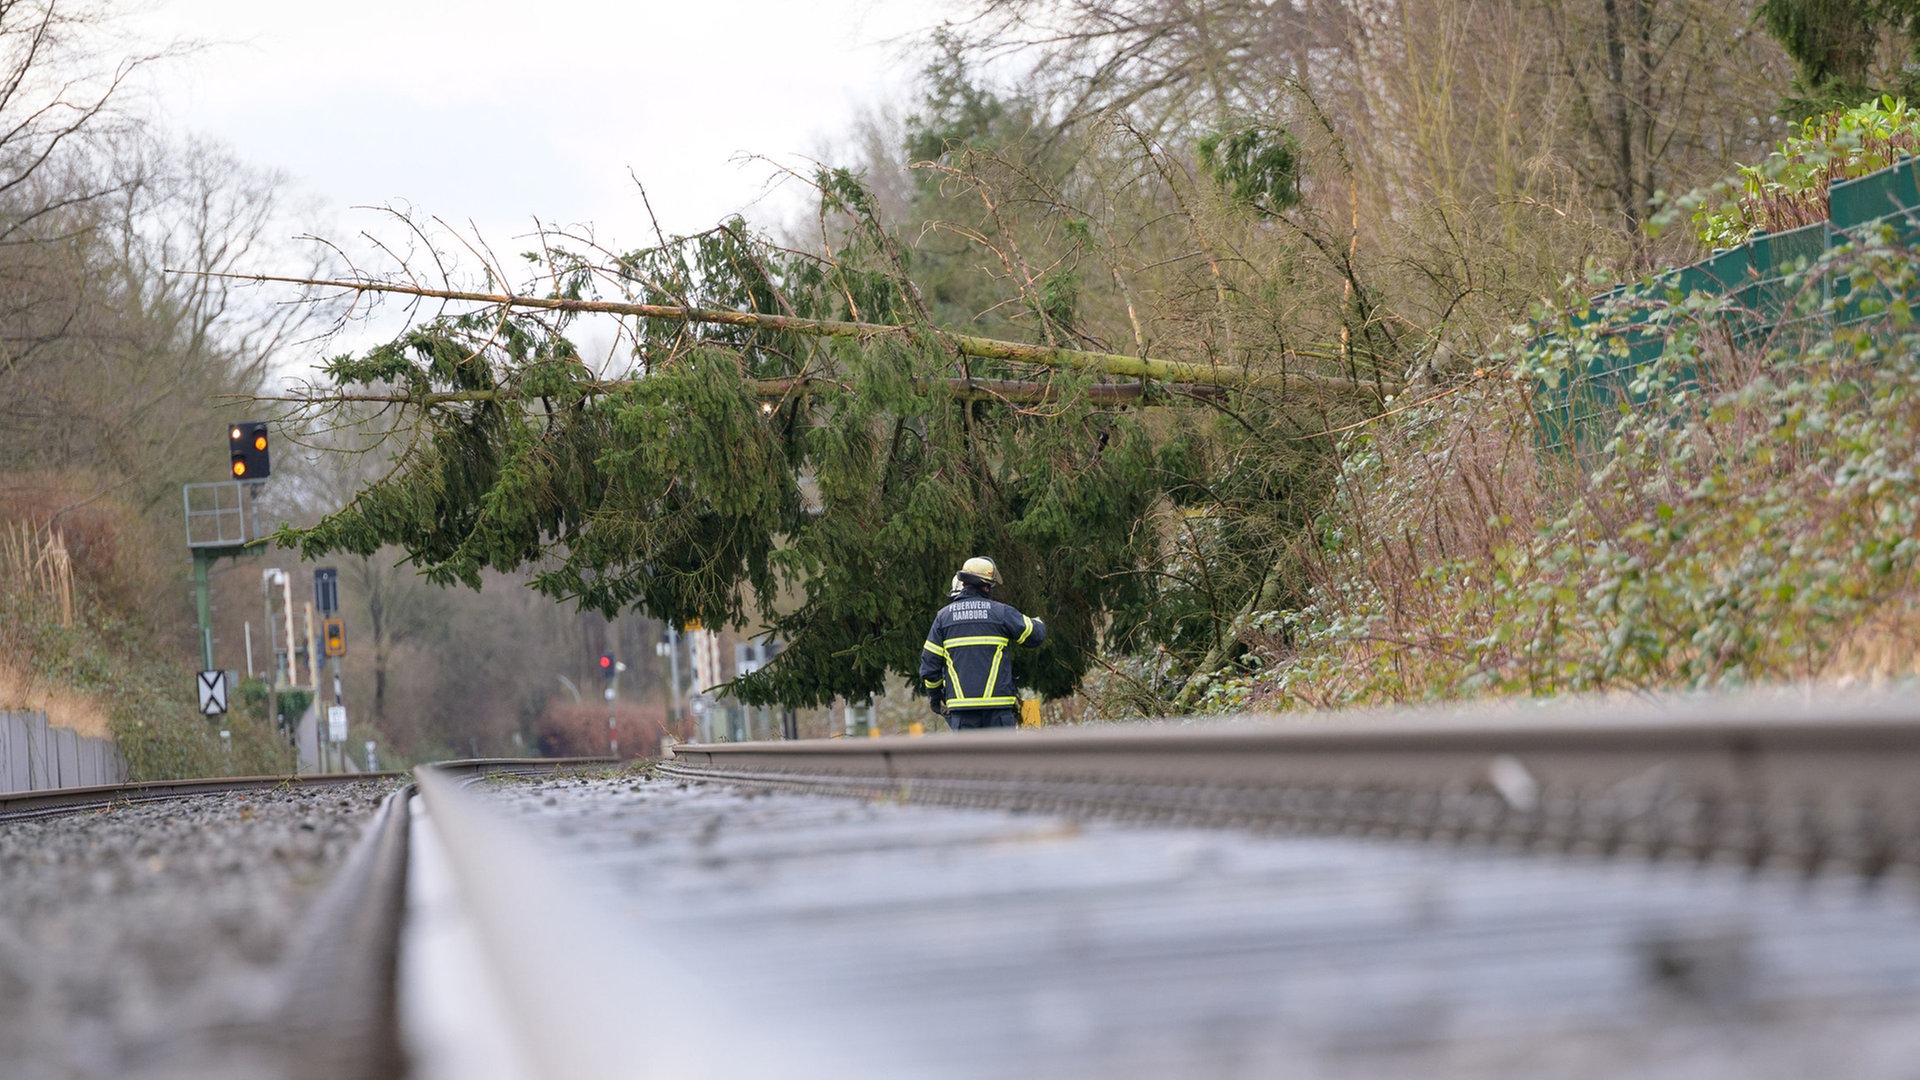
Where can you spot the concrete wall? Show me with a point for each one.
(37, 757)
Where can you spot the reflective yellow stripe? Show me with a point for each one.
(931, 683)
(982, 702)
(935, 649)
(954, 687)
(993, 673)
(1024, 634)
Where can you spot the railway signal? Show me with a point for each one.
(326, 591)
(247, 449)
(336, 637)
(611, 668)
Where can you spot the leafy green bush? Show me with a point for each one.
(251, 698)
(1789, 187)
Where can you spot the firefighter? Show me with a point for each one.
(963, 667)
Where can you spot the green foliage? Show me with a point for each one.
(833, 516)
(1757, 523)
(1834, 45)
(1789, 187)
(957, 110)
(1257, 166)
(252, 697)
(975, 151)
(148, 699)
(1059, 303)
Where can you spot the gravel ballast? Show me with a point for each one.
(130, 938)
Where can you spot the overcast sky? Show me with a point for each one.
(499, 110)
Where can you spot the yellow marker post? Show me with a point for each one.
(915, 727)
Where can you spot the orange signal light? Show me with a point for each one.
(247, 444)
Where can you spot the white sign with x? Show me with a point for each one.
(213, 693)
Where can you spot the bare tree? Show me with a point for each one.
(60, 84)
(1469, 98)
(116, 363)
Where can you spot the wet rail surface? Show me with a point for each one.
(850, 937)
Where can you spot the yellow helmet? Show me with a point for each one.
(980, 570)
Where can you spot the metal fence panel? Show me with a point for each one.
(1867, 199)
(13, 752)
(67, 742)
(35, 756)
(40, 774)
(1578, 414)
(89, 762)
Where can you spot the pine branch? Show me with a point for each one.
(1134, 367)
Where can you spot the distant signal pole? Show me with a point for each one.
(612, 668)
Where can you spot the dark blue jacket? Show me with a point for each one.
(964, 659)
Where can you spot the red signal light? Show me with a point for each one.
(606, 662)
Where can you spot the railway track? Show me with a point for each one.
(27, 805)
(1763, 781)
(1050, 905)
(1723, 888)
(176, 929)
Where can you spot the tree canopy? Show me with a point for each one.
(831, 515)
(1288, 218)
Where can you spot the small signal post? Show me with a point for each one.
(333, 634)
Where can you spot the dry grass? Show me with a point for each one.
(38, 560)
(39, 566)
(1884, 647)
(124, 561)
(64, 708)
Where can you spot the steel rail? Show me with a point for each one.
(20, 805)
(338, 1020)
(1829, 785)
(572, 975)
(326, 1009)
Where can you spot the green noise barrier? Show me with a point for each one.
(1754, 290)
